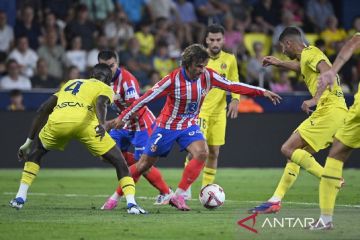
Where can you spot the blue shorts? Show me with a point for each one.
(162, 140)
(125, 138)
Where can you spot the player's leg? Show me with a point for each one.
(126, 182)
(31, 169)
(294, 144)
(215, 138)
(193, 141)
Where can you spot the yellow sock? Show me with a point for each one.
(208, 176)
(29, 173)
(288, 178)
(186, 161)
(330, 185)
(127, 185)
(305, 160)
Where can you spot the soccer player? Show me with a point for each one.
(346, 139)
(135, 132)
(185, 88)
(76, 111)
(212, 117)
(317, 131)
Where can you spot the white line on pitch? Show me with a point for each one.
(73, 195)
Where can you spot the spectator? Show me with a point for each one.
(189, 23)
(134, 9)
(211, 11)
(240, 10)
(154, 77)
(136, 62)
(3, 58)
(232, 37)
(53, 54)
(14, 80)
(16, 101)
(60, 8)
(266, 15)
(42, 79)
(72, 72)
(92, 56)
(24, 56)
(99, 9)
(50, 23)
(6, 33)
(83, 27)
(165, 32)
(162, 62)
(162, 9)
(146, 39)
(76, 56)
(118, 30)
(257, 74)
(320, 44)
(332, 35)
(296, 10)
(27, 26)
(283, 85)
(355, 26)
(318, 11)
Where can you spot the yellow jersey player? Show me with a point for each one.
(347, 138)
(317, 131)
(76, 111)
(212, 117)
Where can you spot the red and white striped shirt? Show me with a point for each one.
(127, 90)
(184, 97)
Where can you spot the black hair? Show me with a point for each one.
(289, 31)
(214, 28)
(101, 72)
(108, 54)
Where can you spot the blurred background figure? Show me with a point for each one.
(13, 79)
(16, 101)
(42, 79)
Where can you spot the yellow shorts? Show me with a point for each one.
(57, 135)
(319, 129)
(213, 128)
(349, 133)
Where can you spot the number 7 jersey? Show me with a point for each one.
(77, 100)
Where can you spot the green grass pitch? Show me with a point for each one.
(64, 204)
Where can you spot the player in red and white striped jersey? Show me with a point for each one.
(136, 130)
(185, 88)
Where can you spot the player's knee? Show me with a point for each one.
(286, 150)
(201, 154)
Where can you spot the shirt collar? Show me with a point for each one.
(116, 75)
(186, 76)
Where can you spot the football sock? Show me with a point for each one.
(29, 173)
(308, 162)
(116, 195)
(330, 185)
(326, 218)
(129, 157)
(135, 175)
(155, 178)
(288, 178)
(208, 176)
(191, 172)
(128, 186)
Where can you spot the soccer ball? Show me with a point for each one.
(212, 196)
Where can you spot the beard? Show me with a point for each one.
(215, 50)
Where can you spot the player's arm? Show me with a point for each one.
(39, 121)
(158, 90)
(328, 77)
(290, 65)
(321, 67)
(131, 97)
(233, 107)
(101, 110)
(242, 88)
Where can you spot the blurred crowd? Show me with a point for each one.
(44, 43)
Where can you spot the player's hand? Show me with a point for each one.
(326, 79)
(272, 96)
(110, 124)
(24, 150)
(307, 105)
(100, 131)
(270, 60)
(118, 123)
(233, 110)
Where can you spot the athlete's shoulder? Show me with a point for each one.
(228, 55)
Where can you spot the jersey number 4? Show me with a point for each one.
(74, 87)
